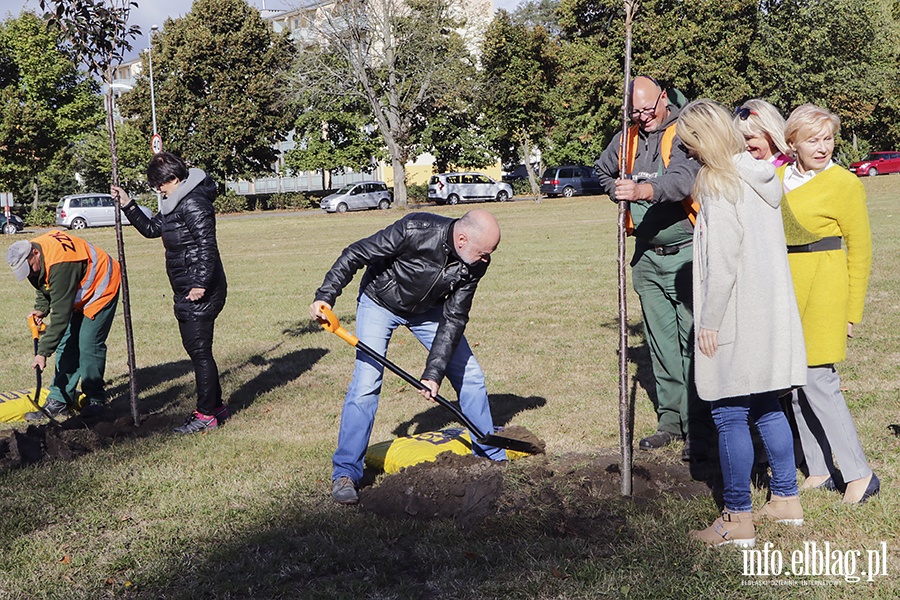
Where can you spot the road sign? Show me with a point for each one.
(156, 143)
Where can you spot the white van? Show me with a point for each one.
(78, 211)
(452, 188)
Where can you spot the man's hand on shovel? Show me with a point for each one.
(432, 391)
(37, 326)
(317, 311)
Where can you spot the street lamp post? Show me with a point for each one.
(152, 94)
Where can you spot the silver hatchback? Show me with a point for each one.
(358, 196)
(78, 211)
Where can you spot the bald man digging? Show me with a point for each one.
(422, 273)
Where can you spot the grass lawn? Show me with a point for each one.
(245, 511)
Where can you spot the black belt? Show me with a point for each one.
(663, 250)
(828, 243)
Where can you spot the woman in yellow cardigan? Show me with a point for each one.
(825, 207)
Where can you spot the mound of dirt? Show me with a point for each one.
(555, 488)
(75, 437)
(462, 487)
(518, 433)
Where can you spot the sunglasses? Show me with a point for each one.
(744, 113)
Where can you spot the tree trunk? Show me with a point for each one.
(34, 185)
(120, 247)
(532, 180)
(626, 411)
(400, 194)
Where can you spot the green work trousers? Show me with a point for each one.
(81, 355)
(664, 286)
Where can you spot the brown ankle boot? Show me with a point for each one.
(781, 509)
(730, 528)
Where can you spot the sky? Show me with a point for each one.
(155, 12)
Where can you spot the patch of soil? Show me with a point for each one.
(567, 494)
(73, 438)
(462, 487)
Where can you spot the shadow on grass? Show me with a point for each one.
(555, 545)
(76, 436)
(307, 326)
(503, 408)
(639, 355)
(279, 371)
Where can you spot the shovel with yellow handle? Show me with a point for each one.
(491, 439)
(36, 330)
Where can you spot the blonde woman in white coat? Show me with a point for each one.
(749, 340)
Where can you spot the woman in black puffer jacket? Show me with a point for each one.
(186, 221)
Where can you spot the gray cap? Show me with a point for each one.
(17, 257)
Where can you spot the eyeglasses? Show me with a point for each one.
(159, 189)
(744, 113)
(648, 112)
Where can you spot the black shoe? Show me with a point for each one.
(873, 488)
(92, 409)
(52, 407)
(694, 451)
(828, 485)
(657, 440)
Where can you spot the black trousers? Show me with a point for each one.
(197, 339)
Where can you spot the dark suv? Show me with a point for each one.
(569, 180)
(877, 163)
(518, 173)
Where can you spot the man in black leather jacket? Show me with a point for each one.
(422, 273)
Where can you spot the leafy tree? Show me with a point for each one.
(93, 163)
(98, 35)
(455, 129)
(700, 47)
(45, 101)
(333, 133)
(395, 55)
(519, 71)
(220, 88)
(841, 54)
(586, 99)
(539, 13)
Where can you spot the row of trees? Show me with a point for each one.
(393, 79)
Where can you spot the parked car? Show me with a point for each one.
(453, 188)
(358, 196)
(877, 163)
(78, 211)
(15, 224)
(518, 173)
(569, 180)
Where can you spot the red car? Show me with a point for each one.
(877, 163)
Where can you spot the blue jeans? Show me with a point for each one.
(736, 449)
(374, 326)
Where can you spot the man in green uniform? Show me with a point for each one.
(659, 178)
(77, 286)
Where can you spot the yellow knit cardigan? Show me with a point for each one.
(830, 286)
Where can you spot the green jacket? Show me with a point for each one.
(56, 299)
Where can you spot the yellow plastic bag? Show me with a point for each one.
(14, 405)
(407, 451)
